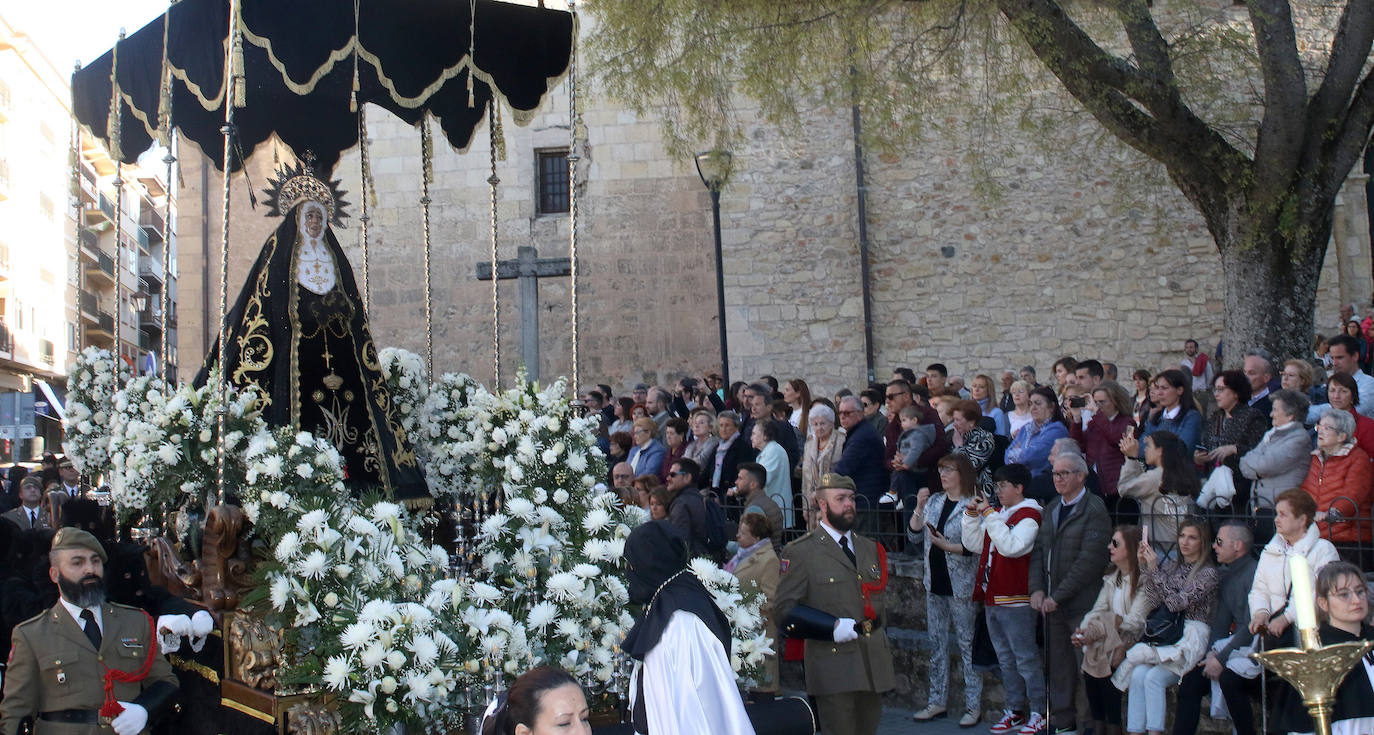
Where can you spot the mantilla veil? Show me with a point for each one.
(298, 334)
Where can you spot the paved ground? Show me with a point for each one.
(896, 720)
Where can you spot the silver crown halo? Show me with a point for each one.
(296, 184)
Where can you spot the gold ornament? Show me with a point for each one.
(296, 184)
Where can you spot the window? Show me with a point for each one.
(552, 179)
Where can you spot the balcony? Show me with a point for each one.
(102, 271)
(104, 325)
(90, 305)
(46, 353)
(150, 319)
(150, 269)
(101, 214)
(151, 221)
(90, 244)
(6, 341)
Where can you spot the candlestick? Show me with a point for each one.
(1304, 594)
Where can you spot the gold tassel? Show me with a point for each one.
(353, 96)
(240, 90)
(418, 504)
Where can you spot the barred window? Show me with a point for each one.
(552, 178)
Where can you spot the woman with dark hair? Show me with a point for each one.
(797, 394)
(1032, 444)
(735, 400)
(1344, 394)
(660, 498)
(973, 441)
(1173, 410)
(1063, 371)
(1165, 484)
(1352, 329)
(617, 451)
(1140, 379)
(624, 420)
(1113, 625)
(675, 437)
(682, 681)
(1233, 430)
(542, 701)
(1187, 586)
(949, 572)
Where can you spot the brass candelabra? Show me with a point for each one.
(1316, 671)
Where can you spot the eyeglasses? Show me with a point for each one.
(1114, 543)
(1350, 594)
(890, 396)
(1061, 474)
(947, 470)
(679, 473)
(845, 411)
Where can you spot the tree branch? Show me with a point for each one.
(1349, 52)
(1148, 44)
(1352, 137)
(1280, 139)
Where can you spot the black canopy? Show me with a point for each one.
(412, 57)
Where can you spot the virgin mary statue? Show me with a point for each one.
(298, 335)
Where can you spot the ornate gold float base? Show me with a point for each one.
(1316, 671)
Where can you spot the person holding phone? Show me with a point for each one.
(949, 572)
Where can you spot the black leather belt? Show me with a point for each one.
(71, 716)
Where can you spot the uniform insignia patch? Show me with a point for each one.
(784, 565)
(130, 643)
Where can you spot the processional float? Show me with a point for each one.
(224, 76)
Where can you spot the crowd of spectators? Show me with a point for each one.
(1140, 532)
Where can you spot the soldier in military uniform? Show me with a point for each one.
(831, 594)
(58, 660)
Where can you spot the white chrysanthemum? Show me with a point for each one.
(596, 549)
(577, 462)
(278, 592)
(541, 615)
(596, 520)
(495, 525)
(336, 672)
(305, 470)
(313, 521)
(169, 453)
(563, 586)
(314, 565)
(425, 650)
(357, 635)
(385, 512)
(548, 515)
(360, 525)
(376, 611)
(271, 466)
(587, 571)
(485, 593)
(373, 656)
(521, 508)
(287, 547)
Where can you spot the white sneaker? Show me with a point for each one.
(929, 713)
(970, 718)
(1034, 724)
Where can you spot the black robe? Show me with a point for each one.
(312, 359)
(1354, 697)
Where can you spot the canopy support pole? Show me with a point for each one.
(494, 180)
(222, 412)
(426, 161)
(575, 123)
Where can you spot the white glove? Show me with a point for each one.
(170, 629)
(201, 625)
(132, 720)
(844, 632)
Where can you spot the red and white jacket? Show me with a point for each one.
(1004, 539)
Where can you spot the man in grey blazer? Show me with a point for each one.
(28, 515)
(1065, 576)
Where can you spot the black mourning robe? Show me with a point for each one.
(312, 360)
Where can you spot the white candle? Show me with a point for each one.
(1304, 595)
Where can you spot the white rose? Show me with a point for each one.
(388, 685)
(331, 599)
(560, 496)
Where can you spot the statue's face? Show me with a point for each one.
(314, 222)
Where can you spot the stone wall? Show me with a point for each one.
(1082, 248)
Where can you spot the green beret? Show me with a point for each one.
(75, 538)
(830, 480)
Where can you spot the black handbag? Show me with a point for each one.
(1163, 627)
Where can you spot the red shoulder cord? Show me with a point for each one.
(112, 708)
(868, 588)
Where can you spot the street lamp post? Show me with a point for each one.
(714, 169)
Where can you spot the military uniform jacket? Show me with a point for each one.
(53, 666)
(816, 573)
(20, 518)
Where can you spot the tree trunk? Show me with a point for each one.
(1271, 291)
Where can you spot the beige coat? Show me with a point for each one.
(1109, 629)
(761, 571)
(815, 463)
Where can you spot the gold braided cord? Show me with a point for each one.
(426, 161)
(112, 122)
(575, 122)
(494, 180)
(365, 175)
(223, 386)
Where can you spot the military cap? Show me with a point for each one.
(831, 480)
(33, 480)
(75, 538)
(65, 464)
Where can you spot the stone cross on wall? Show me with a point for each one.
(528, 268)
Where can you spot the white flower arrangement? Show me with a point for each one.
(371, 612)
